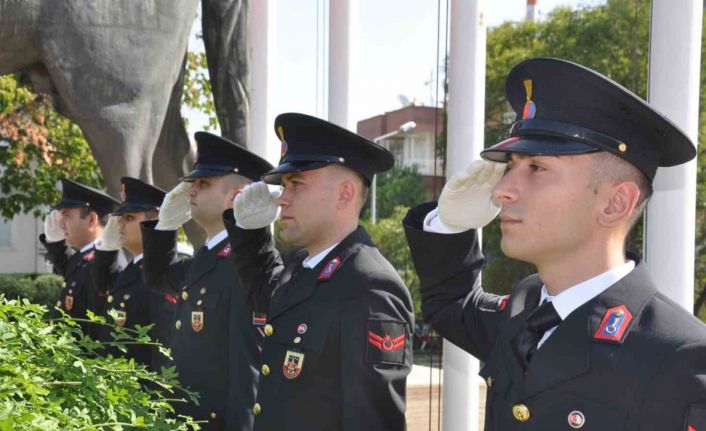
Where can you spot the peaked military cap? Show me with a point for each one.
(311, 143)
(564, 108)
(217, 156)
(77, 195)
(138, 196)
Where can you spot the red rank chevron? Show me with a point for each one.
(386, 344)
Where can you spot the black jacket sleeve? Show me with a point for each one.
(256, 259)
(453, 301)
(58, 254)
(104, 271)
(162, 273)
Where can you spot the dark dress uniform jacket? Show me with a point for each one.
(215, 345)
(653, 377)
(76, 296)
(319, 370)
(126, 293)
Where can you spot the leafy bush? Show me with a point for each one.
(42, 289)
(51, 378)
(396, 187)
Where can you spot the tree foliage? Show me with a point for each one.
(400, 186)
(51, 378)
(197, 93)
(39, 147)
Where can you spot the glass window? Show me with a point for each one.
(5, 232)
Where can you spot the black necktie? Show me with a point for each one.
(538, 322)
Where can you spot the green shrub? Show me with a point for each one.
(52, 379)
(40, 289)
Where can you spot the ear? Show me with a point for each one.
(347, 192)
(93, 220)
(230, 196)
(621, 202)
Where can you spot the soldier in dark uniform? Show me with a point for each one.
(216, 340)
(70, 231)
(589, 342)
(129, 301)
(338, 344)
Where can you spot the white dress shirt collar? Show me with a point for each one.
(572, 298)
(137, 258)
(312, 261)
(216, 239)
(87, 247)
(575, 296)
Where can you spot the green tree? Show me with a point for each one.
(39, 147)
(398, 186)
(700, 262)
(197, 93)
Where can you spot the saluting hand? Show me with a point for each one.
(466, 201)
(110, 239)
(175, 209)
(52, 231)
(255, 206)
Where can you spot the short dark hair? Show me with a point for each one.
(609, 167)
(85, 211)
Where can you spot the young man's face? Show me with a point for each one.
(207, 198)
(548, 206)
(77, 230)
(130, 233)
(308, 204)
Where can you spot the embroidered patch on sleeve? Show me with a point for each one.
(696, 418)
(386, 340)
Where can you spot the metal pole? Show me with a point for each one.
(261, 40)
(342, 61)
(675, 59)
(373, 200)
(466, 115)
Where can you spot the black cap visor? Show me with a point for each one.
(68, 203)
(536, 146)
(133, 207)
(208, 171)
(275, 175)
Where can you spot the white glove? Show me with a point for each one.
(52, 231)
(110, 240)
(255, 206)
(175, 209)
(466, 201)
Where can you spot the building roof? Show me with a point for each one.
(423, 116)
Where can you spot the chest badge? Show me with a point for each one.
(69, 302)
(120, 318)
(225, 251)
(89, 256)
(197, 321)
(330, 268)
(614, 324)
(293, 364)
(576, 419)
